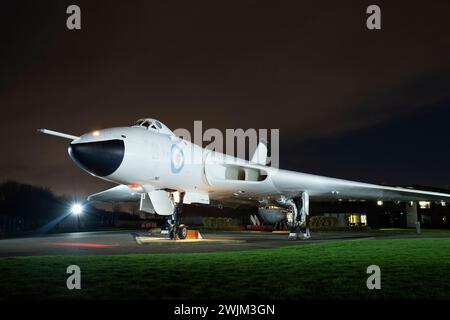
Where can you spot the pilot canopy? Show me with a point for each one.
(152, 124)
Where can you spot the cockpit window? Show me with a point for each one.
(146, 123)
(152, 124)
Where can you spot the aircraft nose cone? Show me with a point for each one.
(100, 158)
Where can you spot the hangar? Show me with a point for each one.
(373, 214)
(386, 214)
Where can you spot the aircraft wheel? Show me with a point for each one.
(182, 232)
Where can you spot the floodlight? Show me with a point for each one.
(76, 209)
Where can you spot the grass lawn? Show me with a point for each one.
(410, 268)
(413, 230)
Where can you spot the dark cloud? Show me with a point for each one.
(310, 68)
(410, 149)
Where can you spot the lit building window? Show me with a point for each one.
(443, 203)
(353, 219)
(424, 204)
(364, 220)
(356, 219)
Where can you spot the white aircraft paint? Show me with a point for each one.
(155, 159)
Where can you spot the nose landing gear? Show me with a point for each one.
(177, 230)
(182, 232)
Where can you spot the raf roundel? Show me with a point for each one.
(177, 160)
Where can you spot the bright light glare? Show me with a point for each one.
(379, 202)
(76, 208)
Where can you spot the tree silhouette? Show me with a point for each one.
(24, 207)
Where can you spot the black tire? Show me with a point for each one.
(182, 232)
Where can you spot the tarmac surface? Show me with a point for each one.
(124, 242)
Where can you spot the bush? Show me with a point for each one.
(338, 229)
(323, 222)
(220, 223)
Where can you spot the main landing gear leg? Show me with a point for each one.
(176, 228)
(299, 219)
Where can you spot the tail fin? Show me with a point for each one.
(260, 155)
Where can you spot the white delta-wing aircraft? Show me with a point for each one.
(152, 165)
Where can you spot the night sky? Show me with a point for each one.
(349, 102)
